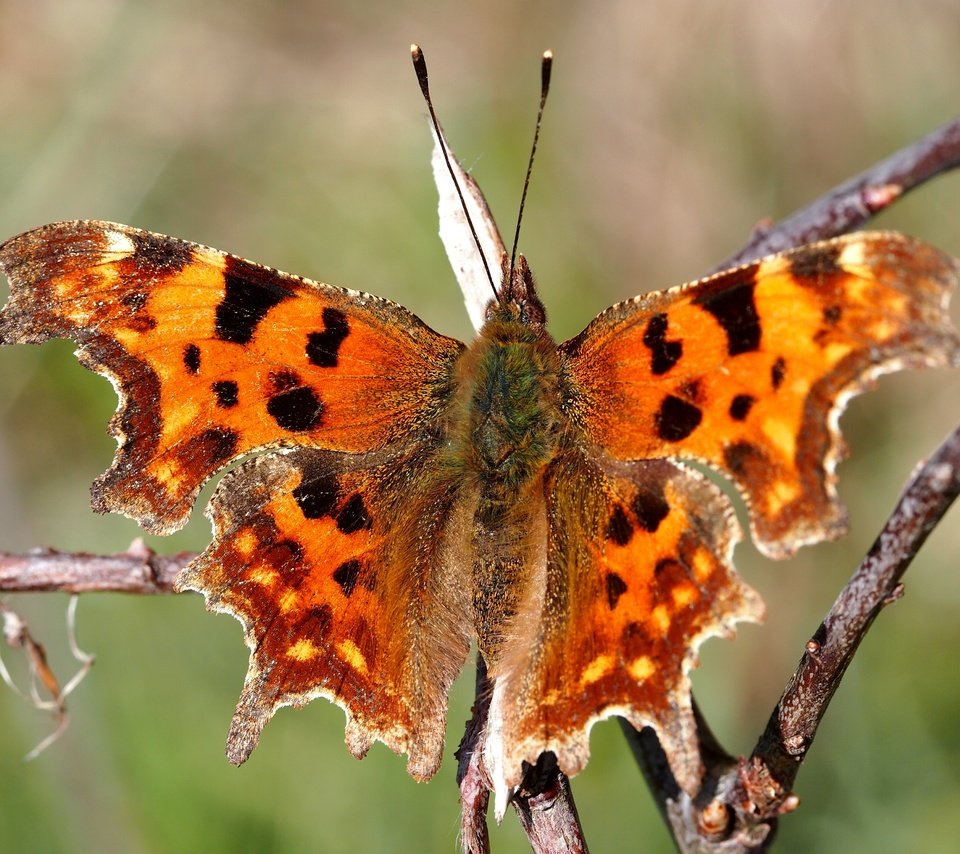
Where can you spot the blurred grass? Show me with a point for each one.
(294, 134)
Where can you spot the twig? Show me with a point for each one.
(852, 203)
(544, 805)
(138, 570)
(471, 778)
(773, 766)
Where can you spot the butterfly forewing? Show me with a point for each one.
(215, 356)
(748, 370)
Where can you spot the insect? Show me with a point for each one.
(404, 495)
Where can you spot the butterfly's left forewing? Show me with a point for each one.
(748, 370)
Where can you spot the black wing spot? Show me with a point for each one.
(159, 254)
(735, 310)
(134, 301)
(650, 508)
(353, 516)
(741, 405)
(777, 372)
(297, 409)
(619, 527)
(616, 587)
(814, 262)
(832, 315)
(663, 354)
(740, 457)
(249, 293)
(226, 393)
(316, 623)
(318, 496)
(285, 555)
(323, 348)
(191, 358)
(346, 576)
(216, 445)
(677, 419)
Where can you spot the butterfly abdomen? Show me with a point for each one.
(506, 428)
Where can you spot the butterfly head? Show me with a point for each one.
(517, 296)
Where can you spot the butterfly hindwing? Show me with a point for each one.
(638, 574)
(748, 370)
(341, 573)
(214, 356)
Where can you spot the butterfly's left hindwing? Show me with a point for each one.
(638, 574)
(214, 357)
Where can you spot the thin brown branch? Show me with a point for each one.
(474, 784)
(547, 812)
(544, 802)
(791, 729)
(853, 203)
(137, 570)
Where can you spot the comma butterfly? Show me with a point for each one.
(408, 495)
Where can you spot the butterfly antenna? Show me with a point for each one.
(545, 69)
(420, 66)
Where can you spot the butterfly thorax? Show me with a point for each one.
(506, 429)
(507, 418)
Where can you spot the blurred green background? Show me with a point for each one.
(293, 133)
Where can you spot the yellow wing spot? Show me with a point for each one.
(702, 565)
(178, 420)
(170, 474)
(771, 267)
(288, 600)
(852, 256)
(245, 542)
(837, 351)
(302, 650)
(264, 577)
(660, 617)
(781, 492)
(683, 595)
(883, 329)
(596, 670)
(80, 310)
(127, 337)
(641, 668)
(781, 436)
(550, 698)
(119, 245)
(351, 654)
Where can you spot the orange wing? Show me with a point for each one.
(638, 574)
(339, 568)
(214, 356)
(748, 370)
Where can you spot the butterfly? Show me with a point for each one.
(398, 496)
